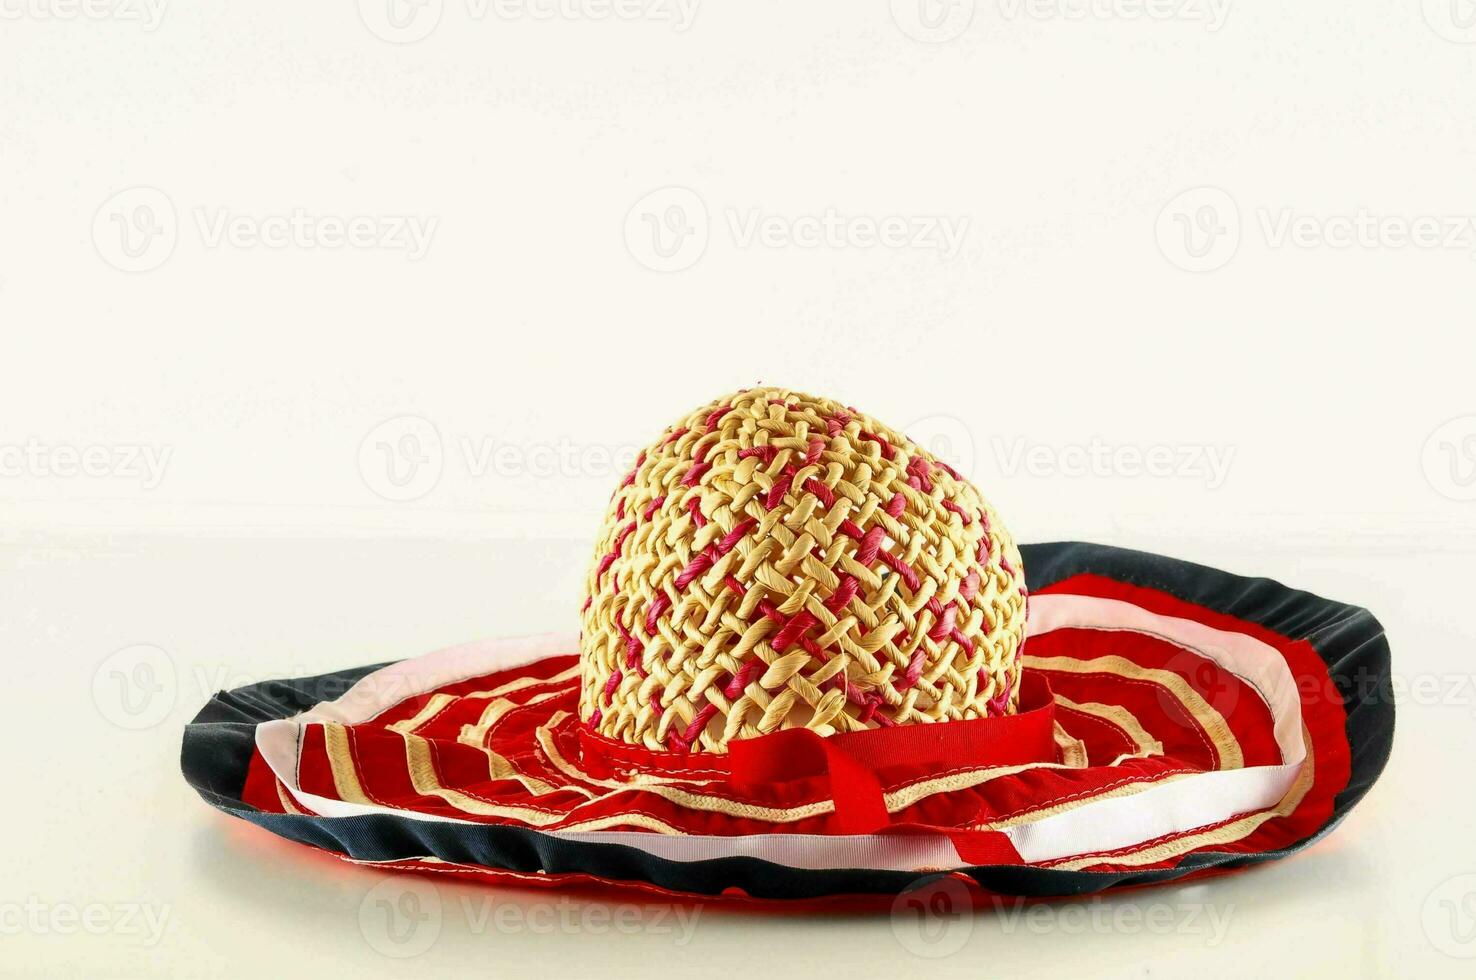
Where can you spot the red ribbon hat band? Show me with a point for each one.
(853, 764)
(803, 673)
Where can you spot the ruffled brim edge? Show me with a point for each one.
(219, 742)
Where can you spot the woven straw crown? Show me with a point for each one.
(776, 560)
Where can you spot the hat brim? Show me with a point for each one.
(1204, 722)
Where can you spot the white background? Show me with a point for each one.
(1186, 232)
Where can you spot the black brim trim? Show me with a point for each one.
(218, 747)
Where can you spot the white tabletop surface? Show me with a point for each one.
(116, 868)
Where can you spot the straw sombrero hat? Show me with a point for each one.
(813, 664)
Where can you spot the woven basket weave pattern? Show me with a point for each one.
(777, 560)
